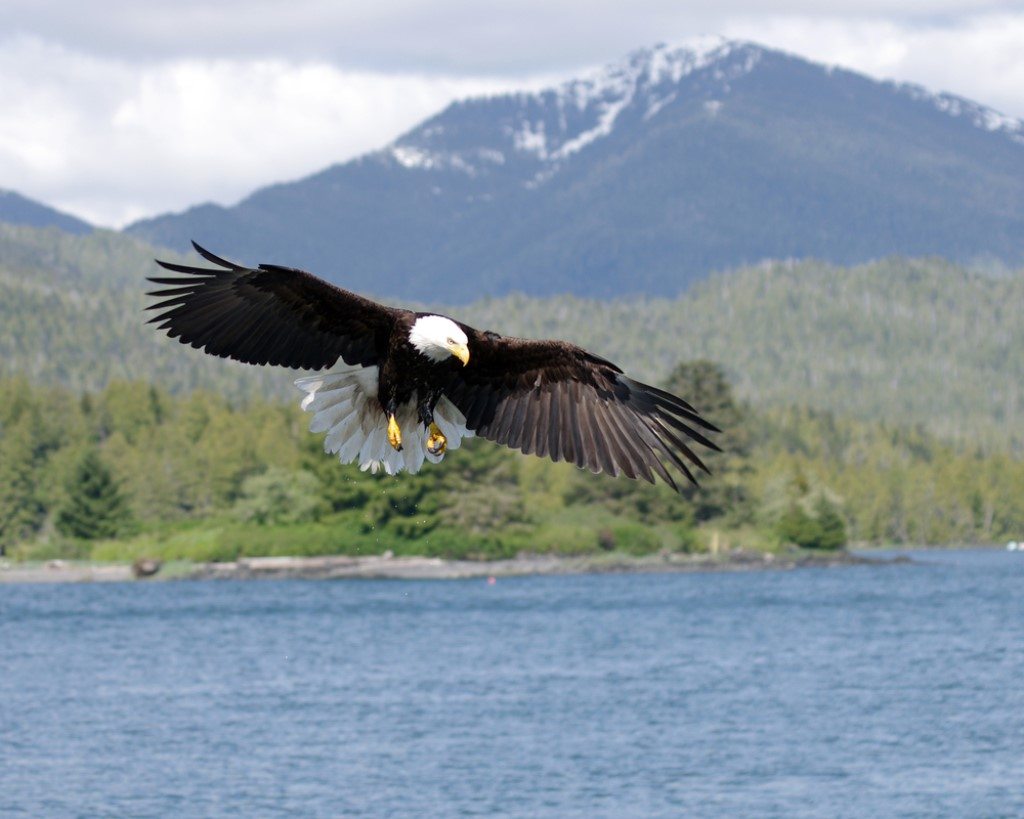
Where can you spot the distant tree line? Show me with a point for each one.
(134, 471)
(903, 341)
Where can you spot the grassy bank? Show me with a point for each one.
(574, 532)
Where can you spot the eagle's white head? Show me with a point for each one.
(438, 337)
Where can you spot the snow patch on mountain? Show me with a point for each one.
(646, 76)
(468, 162)
(409, 156)
(609, 111)
(980, 116)
(532, 131)
(656, 104)
(530, 138)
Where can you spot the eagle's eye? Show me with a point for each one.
(451, 340)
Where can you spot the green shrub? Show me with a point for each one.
(452, 544)
(281, 496)
(199, 544)
(635, 539)
(824, 529)
(336, 537)
(563, 537)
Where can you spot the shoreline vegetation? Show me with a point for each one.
(135, 474)
(390, 567)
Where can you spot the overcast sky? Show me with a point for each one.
(117, 109)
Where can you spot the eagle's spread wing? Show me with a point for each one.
(270, 315)
(555, 399)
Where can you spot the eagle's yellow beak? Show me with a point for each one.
(461, 352)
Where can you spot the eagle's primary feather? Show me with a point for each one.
(548, 398)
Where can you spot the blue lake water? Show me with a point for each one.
(857, 691)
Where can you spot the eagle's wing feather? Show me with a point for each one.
(269, 315)
(555, 399)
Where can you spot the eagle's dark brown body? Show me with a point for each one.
(406, 375)
(548, 398)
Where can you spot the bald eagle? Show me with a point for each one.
(402, 387)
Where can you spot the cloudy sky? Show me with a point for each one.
(117, 109)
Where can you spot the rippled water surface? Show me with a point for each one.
(864, 691)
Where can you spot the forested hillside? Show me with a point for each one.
(905, 341)
(133, 471)
(71, 313)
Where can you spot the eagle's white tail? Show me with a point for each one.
(344, 405)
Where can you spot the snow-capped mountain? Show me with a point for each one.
(544, 130)
(532, 135)
(642, 177)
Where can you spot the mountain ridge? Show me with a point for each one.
(17, 209)
(903, 341)
(643, 177)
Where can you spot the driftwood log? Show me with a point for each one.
(146, 567)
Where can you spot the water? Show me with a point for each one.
(864, 691)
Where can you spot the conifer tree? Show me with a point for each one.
(705, 385)
(20, 509)
(831, 527)
(95, 507)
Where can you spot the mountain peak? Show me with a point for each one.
(646, 78)
(668, 63)
(553, 124)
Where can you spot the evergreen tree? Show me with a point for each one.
(705, 386)
(831, 527)
(20, 509)
(824, 529)
(797, 527)
(95, 507)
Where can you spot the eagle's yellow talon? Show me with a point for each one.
(394, 434)
(436, 442)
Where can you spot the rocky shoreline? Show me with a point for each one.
(431, 568)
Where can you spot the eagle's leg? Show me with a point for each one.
(436, 442)
(394, 431)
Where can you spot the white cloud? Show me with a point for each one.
(981, 58)
(454, 36)
(111, 141)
